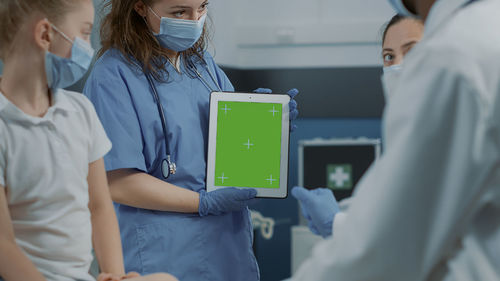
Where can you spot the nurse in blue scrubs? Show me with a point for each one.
(153, 64)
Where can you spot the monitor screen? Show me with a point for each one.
(338, 167)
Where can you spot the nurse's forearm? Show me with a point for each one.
(137, 189)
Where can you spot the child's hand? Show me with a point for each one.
(111, 277)
(108, 277)
(131, 275)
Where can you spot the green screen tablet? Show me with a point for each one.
(248, 143)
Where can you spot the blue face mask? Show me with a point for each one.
(400, 8)
(179, 35)
(63, 72)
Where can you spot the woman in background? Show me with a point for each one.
(400, 35)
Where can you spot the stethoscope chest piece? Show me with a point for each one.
(168, 167)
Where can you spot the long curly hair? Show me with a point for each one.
(125, 30)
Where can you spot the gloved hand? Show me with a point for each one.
(225, 200)
(294, 112)
(319, 207)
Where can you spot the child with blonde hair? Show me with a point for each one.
(54, 198)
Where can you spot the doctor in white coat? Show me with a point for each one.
(429, 209)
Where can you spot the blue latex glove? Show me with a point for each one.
(294, 112)
(319, 207)
(225, 200)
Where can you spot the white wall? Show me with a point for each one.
(255, 34)
(298, 33)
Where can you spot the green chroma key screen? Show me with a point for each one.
(248, 151)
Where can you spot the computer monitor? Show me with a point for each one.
(337, 164)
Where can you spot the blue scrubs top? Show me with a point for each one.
(190, 247)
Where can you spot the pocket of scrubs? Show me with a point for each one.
(168, 247)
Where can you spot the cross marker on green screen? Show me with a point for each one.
(222, 178)
(248, 144)
(273, 111)
(270, 179)
(225, 109)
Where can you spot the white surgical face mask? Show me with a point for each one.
(395, 68)
(390, 80)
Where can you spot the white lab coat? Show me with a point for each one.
(429, 209)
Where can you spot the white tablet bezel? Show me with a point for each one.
(284, 100)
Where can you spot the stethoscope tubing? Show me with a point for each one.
(162, 113)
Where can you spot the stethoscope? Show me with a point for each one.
(168, 166)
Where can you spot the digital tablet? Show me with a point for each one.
(248, 142)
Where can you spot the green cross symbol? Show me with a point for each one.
(339, 176)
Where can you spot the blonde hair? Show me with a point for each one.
(13, 14)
